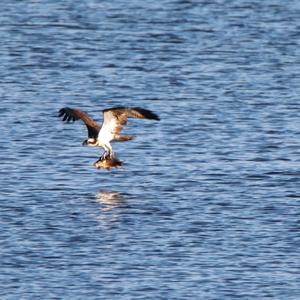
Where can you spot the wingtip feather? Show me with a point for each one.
(146, 113)
(61, 112)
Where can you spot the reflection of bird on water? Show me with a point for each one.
(110, 198)
(114, 120)
(111, 206)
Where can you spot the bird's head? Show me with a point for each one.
(90, 142)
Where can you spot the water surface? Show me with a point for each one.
(207, 204)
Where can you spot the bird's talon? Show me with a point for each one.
(105, 156)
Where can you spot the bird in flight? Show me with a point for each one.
(113, 121)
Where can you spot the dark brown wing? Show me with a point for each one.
(116, 117)
(132, 112)
(70, 114)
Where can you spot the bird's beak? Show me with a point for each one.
(84, 143)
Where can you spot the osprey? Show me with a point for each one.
(113, 121)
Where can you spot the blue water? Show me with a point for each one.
(207, 205)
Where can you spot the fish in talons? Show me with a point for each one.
(108, 161)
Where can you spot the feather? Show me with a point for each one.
(115, 118)
(70, 114)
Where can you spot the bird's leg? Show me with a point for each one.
(104, 155)
(109, 152)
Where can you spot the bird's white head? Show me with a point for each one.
(90, 142)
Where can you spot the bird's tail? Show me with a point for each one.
(123, 138)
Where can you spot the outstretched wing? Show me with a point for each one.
(115, 118)
(70, 114)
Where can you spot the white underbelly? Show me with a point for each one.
(105, 138)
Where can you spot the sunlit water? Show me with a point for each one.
(207, 205)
